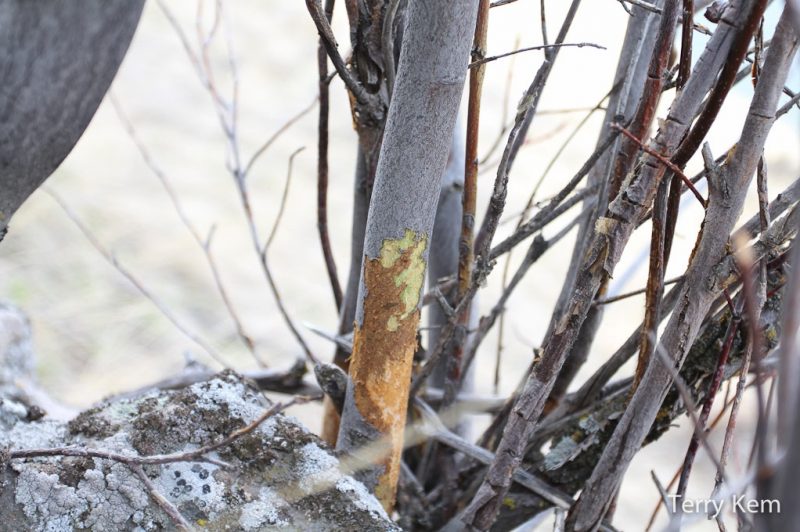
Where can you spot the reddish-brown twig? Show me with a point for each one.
(322, 167)
(663, 160)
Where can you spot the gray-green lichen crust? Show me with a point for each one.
(280, 476)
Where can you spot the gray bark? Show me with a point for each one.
(608, 241)
(629, 80)
(57, 60)
(444, 246)
(416, 144)
(727, 193)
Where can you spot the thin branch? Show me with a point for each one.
(159, 459)
(491, 58)
(262, 254)
(620, 297)
(435, 428)
(498, 3)
(504, 125)
(204, 243)
(275, 136)
(537, 248)
(691, 406)
(655, 280)
(711, 393)
(663, 160)
(322, 167)
(329, 41)
(284, 197)
(526, 112)
(685, 62)
(170, 509)
(112, 260)
(534, 224)
(387, 41)
(468, 201)
(662, 493)
(227, 114)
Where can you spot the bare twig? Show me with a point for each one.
(112, 260)
(322, 167)
(227, 114)
(170, 509)
(199, 454)
(534, 224)
(691, 406)
(284, 197)
(662, 492)
(685, 62)
(328, 39)
(525, 114)
(204, 243)
(663, 160)
(713, 387)
(620, 297)
(275, 136)
(491, 58)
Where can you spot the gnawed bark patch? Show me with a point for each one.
(384, 345)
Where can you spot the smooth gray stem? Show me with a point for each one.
(443, 261)
(413, 156)
(361, 195)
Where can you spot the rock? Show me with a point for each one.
(280, 476)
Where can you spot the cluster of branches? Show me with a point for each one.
(396, 409)
(717, 311)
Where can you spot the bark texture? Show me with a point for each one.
(57, 60)
(727, 192)
(610, 235)
(413, 156)
(444, 246)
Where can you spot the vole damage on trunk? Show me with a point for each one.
(388, 333)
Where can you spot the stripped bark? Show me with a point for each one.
(413, 156)
(58, 61)
(375, 33)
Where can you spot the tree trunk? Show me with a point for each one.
(416, 144)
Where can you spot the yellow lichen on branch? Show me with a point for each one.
(384, 345)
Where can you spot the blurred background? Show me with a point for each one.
(96, 335)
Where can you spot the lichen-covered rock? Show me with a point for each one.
(280, 476)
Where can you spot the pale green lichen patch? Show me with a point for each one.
(411, 247)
